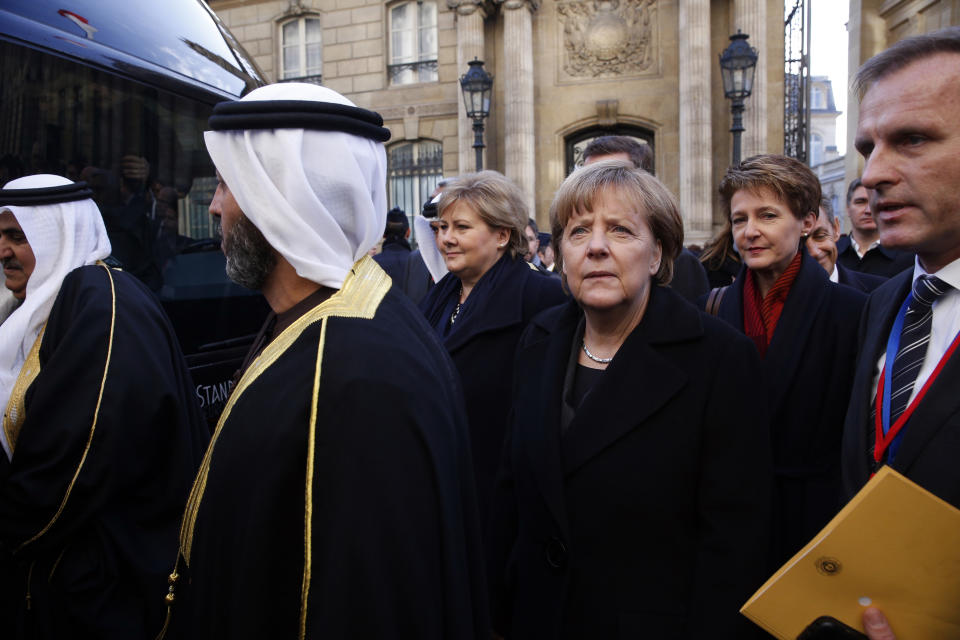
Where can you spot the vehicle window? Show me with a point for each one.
(141, 150)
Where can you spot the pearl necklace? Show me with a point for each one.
(595, 358)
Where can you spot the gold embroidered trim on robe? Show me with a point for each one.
(14, 415)
(96, 411)
(363, 290)
(308, 491)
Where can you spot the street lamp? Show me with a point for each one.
(737, 64)
(476, 85)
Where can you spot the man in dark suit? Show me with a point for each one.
(909, 136)
(822, 246)
(861, 250)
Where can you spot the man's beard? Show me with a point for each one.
(250, 258)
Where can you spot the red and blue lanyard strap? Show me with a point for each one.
(887, 435)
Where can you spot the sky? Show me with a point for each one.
(828, 54)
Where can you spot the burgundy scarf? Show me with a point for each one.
(760, 315)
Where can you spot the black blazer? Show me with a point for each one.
(860, 281)
(649, 516)
(482, 346)
(930, 449)
(808, 371)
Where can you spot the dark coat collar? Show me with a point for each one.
(395, 244)
(810, 290)
(494, 308)
(604, 417)
(844, 245)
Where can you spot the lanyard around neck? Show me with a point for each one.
(885, 432)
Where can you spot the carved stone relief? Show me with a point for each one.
(605, 38)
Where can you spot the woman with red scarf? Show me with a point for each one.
(805, 329)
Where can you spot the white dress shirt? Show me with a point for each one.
(945, 325)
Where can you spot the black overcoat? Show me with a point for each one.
(930, 448)
(808, 373)
(482, 346)
(649, 517)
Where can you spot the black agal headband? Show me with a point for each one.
(298, 114)
(45, 195)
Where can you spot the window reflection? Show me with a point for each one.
(141, 150)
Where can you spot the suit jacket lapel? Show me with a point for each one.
(931, 415)
(941, 400)
(636, 384)
(808, 293)
(877, 320)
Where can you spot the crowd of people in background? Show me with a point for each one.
(590, 431)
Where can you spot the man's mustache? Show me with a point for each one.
(12, 263)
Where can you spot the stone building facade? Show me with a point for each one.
(564, 72)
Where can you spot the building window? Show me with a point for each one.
(816, 149)
(819, 100)
(413, 171)
(577, 142)
(301, 50)
(413, 42)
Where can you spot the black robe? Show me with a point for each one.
(90, 503)
(336, 499)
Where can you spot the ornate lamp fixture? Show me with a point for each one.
(738, 62)
(477, 85)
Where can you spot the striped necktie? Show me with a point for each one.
(913, 341)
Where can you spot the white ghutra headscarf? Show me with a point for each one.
(62, 236)
(315, 191)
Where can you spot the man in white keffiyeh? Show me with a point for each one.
(101, 431)
(40, 245)
(346, 423)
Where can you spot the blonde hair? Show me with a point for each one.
(496, 199)
(584, 186)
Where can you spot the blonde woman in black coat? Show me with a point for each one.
(480, 308)
(635, 493)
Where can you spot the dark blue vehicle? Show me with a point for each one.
(117, 93)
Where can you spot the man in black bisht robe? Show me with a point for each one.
(336, 499)
(101, 430)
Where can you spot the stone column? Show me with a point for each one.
(470, 45)
(516, 87)
(750, 16)
(696, 153)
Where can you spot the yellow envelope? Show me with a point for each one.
(895, 545)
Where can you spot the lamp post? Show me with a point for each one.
(737, 65)
(477, 85)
